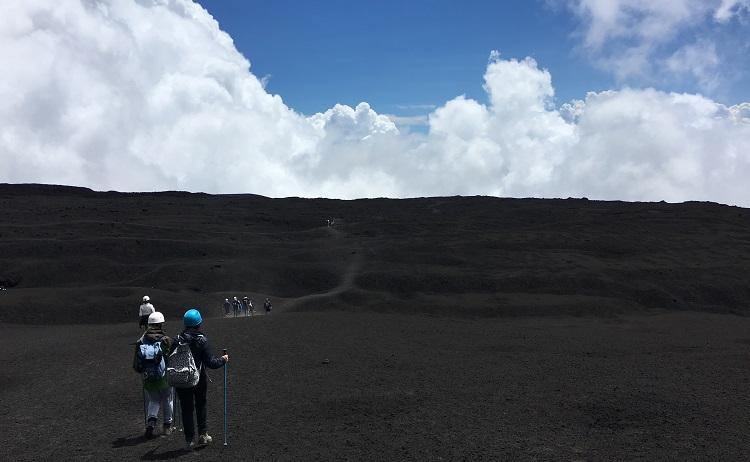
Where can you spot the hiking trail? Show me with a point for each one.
(347, 278)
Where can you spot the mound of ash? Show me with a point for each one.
(72, 255)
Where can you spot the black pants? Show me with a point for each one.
(193, 398)
(144, 321)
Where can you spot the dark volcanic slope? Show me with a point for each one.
(92, 255)
(669, 387)
(466, 385)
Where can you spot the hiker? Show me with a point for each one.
(227, 307)
(145, 311)
(267, 305)
(194, 398)
(236, 306)
(149, 360)
(250, 308)
(244, 304)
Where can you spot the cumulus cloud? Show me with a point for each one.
(152, 95)
(646, 143)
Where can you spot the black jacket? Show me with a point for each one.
(200, 348)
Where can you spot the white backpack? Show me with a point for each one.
(181, 369)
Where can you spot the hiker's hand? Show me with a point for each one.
(226, 358)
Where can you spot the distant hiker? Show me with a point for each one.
(150, 353)
(250, 308)
(145, 311)
(235, 306)
(227, 307)
(194, 398)
(267, 305)
(244, 304)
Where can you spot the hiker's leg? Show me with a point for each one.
(200, 403)
(153, 399)
(186, 407)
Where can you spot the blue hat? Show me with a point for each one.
(192, 318)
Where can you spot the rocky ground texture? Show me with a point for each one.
(465, 328)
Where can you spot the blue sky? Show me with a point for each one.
(395, 54)
(400, 56)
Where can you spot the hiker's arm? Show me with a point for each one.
(135, 360)
(208, 357)
(169, 345)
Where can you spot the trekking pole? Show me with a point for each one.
(226, 366)
(178, 411)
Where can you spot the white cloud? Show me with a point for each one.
(730, 8)
(700, 61)
(638, 20)
(639, 144)
(658, 41)
(151, 95)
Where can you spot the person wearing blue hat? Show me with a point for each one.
(194, 398)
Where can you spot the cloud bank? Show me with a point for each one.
(142, 95)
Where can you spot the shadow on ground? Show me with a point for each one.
(129, 441)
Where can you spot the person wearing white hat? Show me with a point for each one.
(145, 311)
(151, 351)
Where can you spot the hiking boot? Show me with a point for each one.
(189, 445)
(149, 432)
(167, 429)
(204, 439)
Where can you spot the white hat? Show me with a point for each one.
(145, 298)
(155, 318)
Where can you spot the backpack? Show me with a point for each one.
(151, 361)
(182, 371)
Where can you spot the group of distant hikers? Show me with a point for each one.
(244, 305)
(175, 364)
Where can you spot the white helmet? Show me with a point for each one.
(235, 298)
(155, 318)
(145, 298)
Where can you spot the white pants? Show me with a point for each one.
(153, 400)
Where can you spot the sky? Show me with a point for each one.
(408, 57)
(608, 99)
